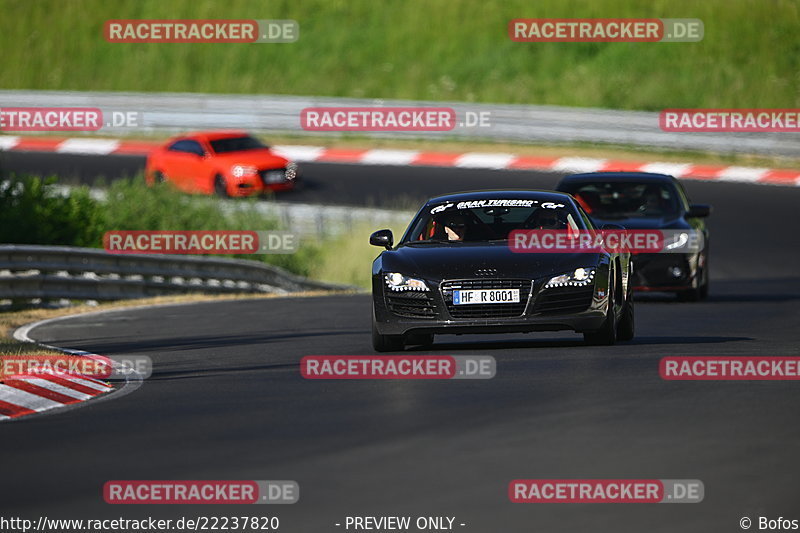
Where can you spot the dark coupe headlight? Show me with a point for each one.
(398, 282)
(581, 277)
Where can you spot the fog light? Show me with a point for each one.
(676, 272)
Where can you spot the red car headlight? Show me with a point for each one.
(240, 171)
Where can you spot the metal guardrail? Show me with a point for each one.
(64, 272)
(306, 220)
(178, 112)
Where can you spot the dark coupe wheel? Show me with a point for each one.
(701, 292)
(704, 291)
(694, 295)
(691, 295)
(159, 177)
(386, 343)
(220, 189)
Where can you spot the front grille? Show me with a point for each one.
(272, 176)
(564, 300)
(411, 304)
(486, 310)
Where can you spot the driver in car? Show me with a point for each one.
(455, 226)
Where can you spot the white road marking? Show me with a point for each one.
(672, 169)
(89, 383)
(55, 387)
(299, 153)
(579, 164)
(744, 174)
(88, 146)
(26, 399)
(7, 142)
(484, 160)
(389, 157)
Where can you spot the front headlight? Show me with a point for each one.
(398, 282)
(291, 170)
(579, 278)
(240, 171)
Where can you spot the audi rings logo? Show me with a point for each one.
(486, 272)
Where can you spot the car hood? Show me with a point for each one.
(464, 260)
(257, 158)
(671, 222)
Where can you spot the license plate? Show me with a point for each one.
(274, 176)
(486, 296)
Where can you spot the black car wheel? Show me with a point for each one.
(220, 189)
(607, 334)
(158, 177)
(386, 343)
(626, 327)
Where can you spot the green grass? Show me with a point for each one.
(32, 211)
(420, 49)
(348, 258)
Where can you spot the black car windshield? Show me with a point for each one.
(627, 199)
(236, 144)
(487, 220)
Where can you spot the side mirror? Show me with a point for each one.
(698, 211)
(383, 238)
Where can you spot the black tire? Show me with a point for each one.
(690, 295)
(220, 189)
(607, 334)
(701, 292)
(704, 286)
(704, 290)
(159, 177)
(627, 325)
(386, 343)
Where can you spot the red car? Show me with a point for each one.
(227, 163)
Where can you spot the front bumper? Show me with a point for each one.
(665, 272)
(576, 309)
(262, 182)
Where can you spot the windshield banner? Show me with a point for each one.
(591, 241)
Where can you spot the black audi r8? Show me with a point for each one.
(644, 201)
(454, 271)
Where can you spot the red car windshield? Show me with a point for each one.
(236, 144)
